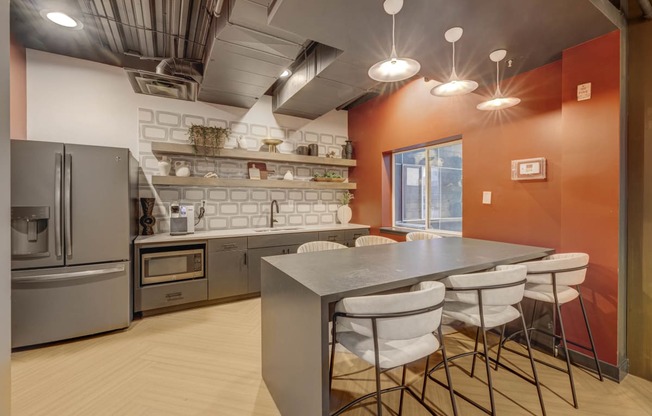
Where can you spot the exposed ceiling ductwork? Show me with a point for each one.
(247, 55)
(233, 51)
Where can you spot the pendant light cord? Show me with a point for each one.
(393, 54)
(498, 92)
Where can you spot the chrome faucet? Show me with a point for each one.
(271, 213)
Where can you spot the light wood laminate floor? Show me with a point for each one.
(206, 361)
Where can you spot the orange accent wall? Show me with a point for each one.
(17, 91)
(545, 213)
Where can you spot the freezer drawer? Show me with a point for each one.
(67, 302)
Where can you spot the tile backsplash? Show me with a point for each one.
(228, 208)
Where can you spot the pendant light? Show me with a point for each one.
(498, 102)
(454, 86)
(394, 68)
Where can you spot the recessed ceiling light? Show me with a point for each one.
(286, 73)
(61, 19)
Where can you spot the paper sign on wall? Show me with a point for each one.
(584, 92)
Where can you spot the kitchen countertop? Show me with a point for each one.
(242, 232)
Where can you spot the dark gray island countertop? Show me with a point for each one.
(333, 274)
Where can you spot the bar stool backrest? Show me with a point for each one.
(499, 287)
(420, 235)
(372, 240)
(313, 246)
(556, 262)
(423, 296)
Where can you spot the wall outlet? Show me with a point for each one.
(486, 197)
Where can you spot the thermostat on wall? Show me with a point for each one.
(528, 169)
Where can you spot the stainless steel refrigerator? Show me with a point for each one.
(73, 221)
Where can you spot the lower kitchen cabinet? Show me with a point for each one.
(227, 274)
(255, 254)
(345, 237)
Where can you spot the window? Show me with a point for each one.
(427, 188)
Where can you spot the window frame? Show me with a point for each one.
(426, 148)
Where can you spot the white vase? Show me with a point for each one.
(344, 214)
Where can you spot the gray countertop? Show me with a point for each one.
(330, 274)
(244, 232)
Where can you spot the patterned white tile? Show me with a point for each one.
(311, 137)
(217, 223)
(259, 221)
(276, 133)
(326, 139)
(312, 219)
(179, 135)
(217, 194)
(145, 115)
(248, 208)
(214, 122)
(194, 194)
(287, 208)
(327, 218)
(341, 140)
(239, 128)
(319, 207)
(239, 195)
(169, 195)
(259, 195)
(228, 209)
(295, 195)
(311, 195)
(189, 120)
(258, 130)
(295, 219)
(278, 195)
(303, 208)
(327, 195)
(239, 222)
(154, 133)
(166, 118)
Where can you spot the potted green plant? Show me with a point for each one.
(207, 140)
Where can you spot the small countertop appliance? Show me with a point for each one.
(182, 219)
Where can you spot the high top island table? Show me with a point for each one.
(298, 289)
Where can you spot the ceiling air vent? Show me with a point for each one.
(174, 78)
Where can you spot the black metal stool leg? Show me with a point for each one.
(448, 373)
(588, 330)
(330, 371)
(565, 344)
(400, 406)
(477, 334)
(500, 346)
(425, 378)
(486, 355)
(534, 369)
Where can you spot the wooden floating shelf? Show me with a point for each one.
(167, 149)
(248, 183)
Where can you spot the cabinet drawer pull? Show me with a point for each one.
(332, 238)
(230, 245)
(245, 258)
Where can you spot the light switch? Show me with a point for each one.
(486, 197)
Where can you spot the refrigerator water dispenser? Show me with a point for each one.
(29, 231)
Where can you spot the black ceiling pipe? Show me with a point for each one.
(646, 7)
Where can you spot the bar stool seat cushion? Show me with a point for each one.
(544, 293)
(392, 353)
(470, 314)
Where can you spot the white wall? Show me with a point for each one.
(5, 282)
(76, 101)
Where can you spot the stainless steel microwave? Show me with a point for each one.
(171, 263)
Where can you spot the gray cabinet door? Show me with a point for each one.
(227, 274)
(255, 256)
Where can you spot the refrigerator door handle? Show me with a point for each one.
(57, 204)
(67, 205)
(67, 276)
